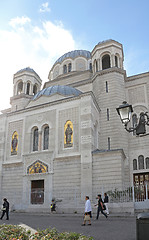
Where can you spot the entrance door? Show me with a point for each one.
(141, 180)
(37, 192)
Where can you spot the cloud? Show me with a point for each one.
(44, 7)
(33, 46)
(19, 21)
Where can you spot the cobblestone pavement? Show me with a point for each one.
(112, 228)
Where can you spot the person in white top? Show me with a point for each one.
(88, 211)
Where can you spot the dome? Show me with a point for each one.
(64, 90)
(27, 69)
(74, 54)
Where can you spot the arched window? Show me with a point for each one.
(108, 116)
(135, 164)
(116, 61)
(69, 67)
(64, 69)
(35, 139)
(34, 89)
(96, 66)
(46, 138)
(90, 66)
(106, 62)
(28, 88)
(20, 88)
(109, 143)
(141, 162)
(147, 162)
(107, 87)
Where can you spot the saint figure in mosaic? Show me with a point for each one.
(14, 144)
(68, 141)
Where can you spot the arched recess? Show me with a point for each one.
(45, 132)
(141, 162)
(28, 88)
(34, 89)
(106, 61)
(147, 162)
(65, 69)
(134, 164)
(90, 66)
(95, 66)
(19, 88)
(68, 134)
(14, 143)
(35, 139)
(37, 167)
(69, 67)
(116, 61)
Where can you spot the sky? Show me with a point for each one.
(35, 33)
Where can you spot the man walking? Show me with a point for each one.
(106, 200)
(100, 207)
(88, 211)
(5, 209)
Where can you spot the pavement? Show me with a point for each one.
(115, 227)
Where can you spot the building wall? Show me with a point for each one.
(67, 180)
(102, 152)
(12, 184)
(108, 171)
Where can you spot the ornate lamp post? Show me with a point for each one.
(125, 111)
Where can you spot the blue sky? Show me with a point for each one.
(35, 33)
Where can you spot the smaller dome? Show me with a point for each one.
(61, 89)
(27, 69)
(74, 54)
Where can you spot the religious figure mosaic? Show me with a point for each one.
(14, 144)
(68, 134)
(37, 167)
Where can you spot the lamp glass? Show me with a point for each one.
(125, 114)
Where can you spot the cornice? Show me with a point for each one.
(105, 151)
(22, 95)
(109, 70)
(106, 44)
(43, 105)
(62, 77)
(138, 76)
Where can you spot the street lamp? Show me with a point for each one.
(125, 111)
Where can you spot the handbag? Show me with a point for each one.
(86, 217)
(104, 207)
(3, 209)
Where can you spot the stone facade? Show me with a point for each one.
(45, 163)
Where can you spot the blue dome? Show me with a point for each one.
(74, 54)
(28, 69)
(64, 90)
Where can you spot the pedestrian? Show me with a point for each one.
(5, 209)
(106, 200)
(100, 207)
(53, 206)
(88, 211)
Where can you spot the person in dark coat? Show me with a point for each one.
(53, 206)
(106, 200)
(5, 209)
(100, 207)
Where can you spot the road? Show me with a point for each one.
(113, 228)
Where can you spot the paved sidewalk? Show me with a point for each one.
(113, 228)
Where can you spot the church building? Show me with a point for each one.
(66, 140)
